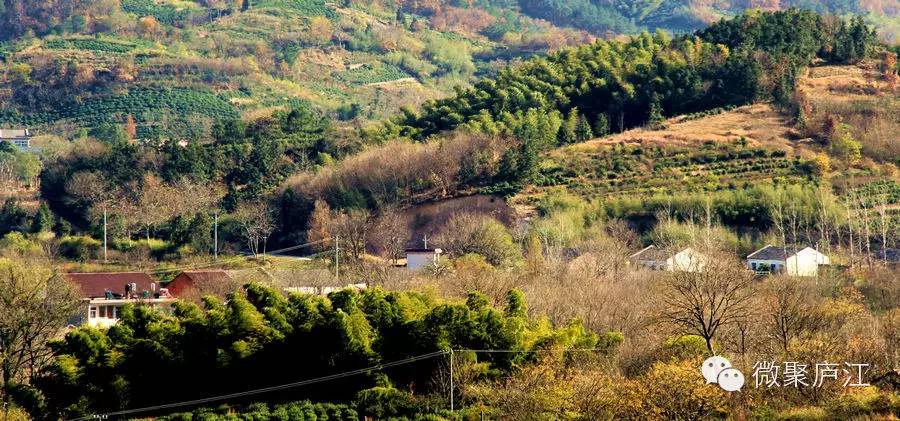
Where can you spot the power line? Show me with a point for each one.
(265, 389)
(233, 259)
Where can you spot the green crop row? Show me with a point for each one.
(89, 44)
(144, 104)
(369, 73)
(303, 7)
(163, 13)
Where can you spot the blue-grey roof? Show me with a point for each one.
(771, 252)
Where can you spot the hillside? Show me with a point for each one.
(723, 150)
(175, 67)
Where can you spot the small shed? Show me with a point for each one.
(417, 259)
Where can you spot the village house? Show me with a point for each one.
(419, 258)
(104, 294)
(20, 138)
(190, 283)
(683, 260)
(324, 290)
(794, 261)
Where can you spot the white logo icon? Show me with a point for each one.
(731, 380)
(718, 370)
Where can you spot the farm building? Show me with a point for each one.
(104, 294)
(794, 261)
(685, 260)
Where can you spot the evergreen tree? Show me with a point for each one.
(656, 120)
(43, 219)
(601, 127)
(568, 131)
(583, 130)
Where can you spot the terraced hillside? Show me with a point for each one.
(176, 67)
(740, 148)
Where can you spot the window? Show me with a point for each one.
(92, 312)
(753, 265)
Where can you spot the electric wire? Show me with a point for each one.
(263, 390)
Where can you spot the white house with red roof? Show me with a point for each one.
(104, 294)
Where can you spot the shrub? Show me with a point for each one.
(381, 402)
(81, 247)
(483, 235)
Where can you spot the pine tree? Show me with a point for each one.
(568, 130)
(583, 130)
(43, 219)
(656, 120)
(601, 127)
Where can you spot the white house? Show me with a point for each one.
(324, 290)
(794, 261)
(18, 137)
(684, 260)
(104, 294)
(417, 259)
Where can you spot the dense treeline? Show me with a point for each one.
(139, 184)
(732, 62)
(628, 16)
(260, 338)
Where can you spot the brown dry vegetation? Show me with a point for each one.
(402, 172)
(760, 124)
(859, 97)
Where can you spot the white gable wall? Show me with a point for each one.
(806, 262)
(687, 260)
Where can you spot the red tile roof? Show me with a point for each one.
(190, 279)
(95, 285)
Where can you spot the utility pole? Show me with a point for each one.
(216, 235)
(451, 380)
(425, 240)
(105, 260)
(336, 260)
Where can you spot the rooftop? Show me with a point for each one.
(423, 250)
(771, 252)
(206, 275)
(95, 285)
(652, 253)
(14, 133)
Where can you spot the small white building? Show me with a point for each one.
(793, 261)
(417, 259)
(104, 294)
(20, 138)
(324, 289)
(684, 260)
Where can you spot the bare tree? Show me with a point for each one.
(352, 227)
(154, 203)
(705, 301)
(317, 229)
(390, 233)
(790, 310)
(90, 188)
(257, 223)
(35, 304)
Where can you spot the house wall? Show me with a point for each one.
(687, 261)
(103, 313)
(766, 263)
(418, 261)
(806, 262)
(180, 285)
